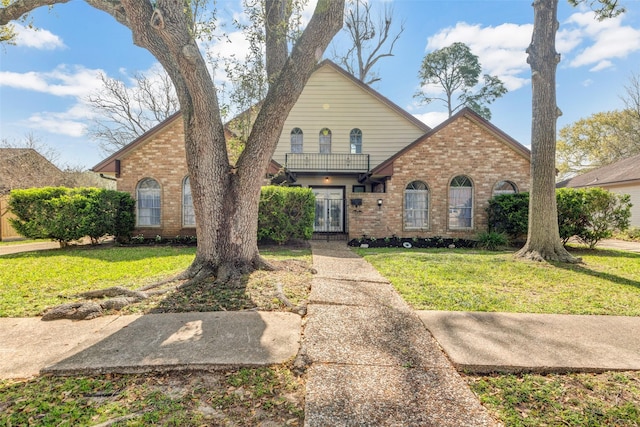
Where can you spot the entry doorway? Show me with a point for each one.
(329, 209)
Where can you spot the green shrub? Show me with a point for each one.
(509, 213)
(631, 234)
(285, 213)
(590, 214)
(492, 240)
(65, 214)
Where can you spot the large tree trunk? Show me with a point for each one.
(543, 238)
(225, 196)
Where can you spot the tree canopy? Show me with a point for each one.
(454, 71)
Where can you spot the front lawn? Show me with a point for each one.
(608, 282)
(30, 282)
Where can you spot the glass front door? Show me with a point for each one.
(329, 210)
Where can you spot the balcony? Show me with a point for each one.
(327, 162)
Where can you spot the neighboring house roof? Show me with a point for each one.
(386, 167)
(110, 164)
(26, 168)
(621, 172)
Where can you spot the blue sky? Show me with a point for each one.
(46, 77)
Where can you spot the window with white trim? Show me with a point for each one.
(504, 187)
(460, 202)
(148, 203)
(416, 205)
(296, 140)
(355, 141)
(325, 140)
(188, 213)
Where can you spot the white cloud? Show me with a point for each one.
(36, 38)
(501, 49)
(57, 123)
(433, 118)
(62, 81)
(608, 39)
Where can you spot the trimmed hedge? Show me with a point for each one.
(285, 213)
(590, 214)
(67, 214)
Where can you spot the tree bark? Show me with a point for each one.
(225, 196)
(543, 237)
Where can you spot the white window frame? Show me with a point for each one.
(324, 140)
(297, 140)
(460, 203)
(416, 206)
(355, 141)
(148, 203)
(188, 213)
(497, 191)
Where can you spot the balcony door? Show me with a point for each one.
(329, 209)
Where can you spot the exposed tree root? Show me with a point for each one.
(300, 309)
(228, 275)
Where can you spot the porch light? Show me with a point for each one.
(379, 203)
(326, 179)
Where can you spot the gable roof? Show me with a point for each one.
(386, 167)
(110, 164)
(25, 168)
(328, 63)
(623, 171)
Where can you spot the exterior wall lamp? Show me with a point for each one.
(326, 179)
(379, 203)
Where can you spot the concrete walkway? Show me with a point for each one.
(153, 342)
(372, 361)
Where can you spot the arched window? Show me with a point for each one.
(355, 140)
(296, 140)
(460, 202)
(325, 140)
(188, 214)
(148, 203)
(504, 187)
(416, 205)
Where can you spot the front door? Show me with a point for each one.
(329, 210)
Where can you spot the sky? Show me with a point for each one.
(47, 76)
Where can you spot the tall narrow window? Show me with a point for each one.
(504, 187)
(416, 205)
(355, 140)
(460, 202)
(296, 140)
(148, 195)
(325, 140)
(188, 214)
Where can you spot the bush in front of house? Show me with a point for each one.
(589, 214)
(509, 214)
(285, 213)
(412, 242)
(67, 214)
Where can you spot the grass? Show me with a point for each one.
(608, 282)
(580, 399)
(251, 397)
(30, 282)
(22, 242)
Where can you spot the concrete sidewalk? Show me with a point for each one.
(153, 342)
(372, 361)
(517, 342)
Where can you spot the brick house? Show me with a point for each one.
(374, 168)
(23, 168)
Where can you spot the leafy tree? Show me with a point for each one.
(543, 238)
(225, 195)
(598, 140)
(456, 71)
(371, 40)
